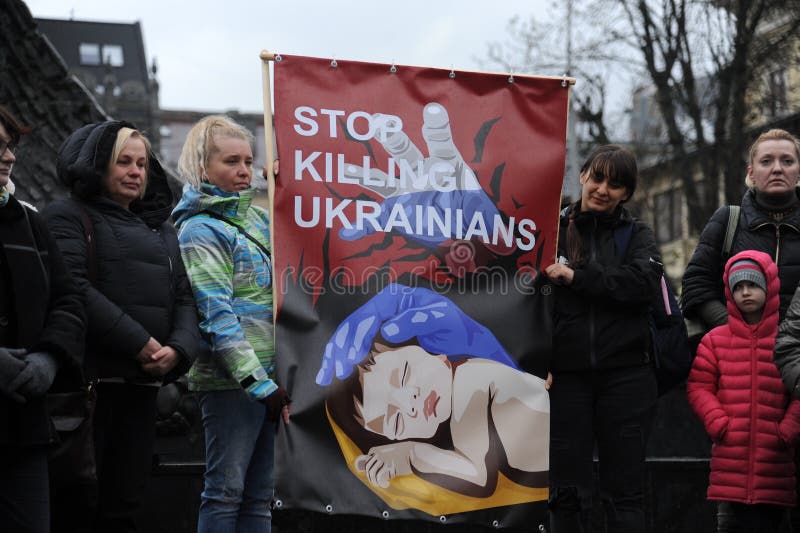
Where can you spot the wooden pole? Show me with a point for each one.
(266, 57)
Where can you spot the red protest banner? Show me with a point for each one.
(413, 210)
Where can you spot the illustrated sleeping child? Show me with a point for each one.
(424, 392)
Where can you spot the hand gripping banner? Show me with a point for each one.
(412, 213)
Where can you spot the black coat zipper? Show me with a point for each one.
(592, 257)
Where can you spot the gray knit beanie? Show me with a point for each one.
(746, 270)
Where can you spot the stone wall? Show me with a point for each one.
(37, 88)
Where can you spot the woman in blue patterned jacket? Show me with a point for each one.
(224, 242)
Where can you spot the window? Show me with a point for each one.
(112, 55)
(89, 53)
(667, 225)
(677, 214)
(662, 204)
(776, 92)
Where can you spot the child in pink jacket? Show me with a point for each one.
(736, 390)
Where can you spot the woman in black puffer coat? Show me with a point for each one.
(142, 321)
(604, 386)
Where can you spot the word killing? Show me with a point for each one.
(439, 176)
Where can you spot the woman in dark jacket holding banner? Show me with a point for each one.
(142, 321)
(41, 333)
(604, 385)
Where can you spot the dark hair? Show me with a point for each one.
(12, 125)
(616, 162)
(611, 160)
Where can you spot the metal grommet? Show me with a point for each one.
(329, 508)
(452, 74)
(564, 80)
(334, 64)
(541, 527)
(393, 69)
(385, 515)
(278, 58)
(278, 504)
(511, 78)
(443, 519)
(496, 524)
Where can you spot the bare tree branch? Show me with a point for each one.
(705, 62)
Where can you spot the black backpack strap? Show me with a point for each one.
(622, 238)
(91, 249)
(241, 230)
(730, 230)
(88, 373)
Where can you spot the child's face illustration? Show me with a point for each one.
(407, 393)
(749, 297)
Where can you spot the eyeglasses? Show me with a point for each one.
(7, 144)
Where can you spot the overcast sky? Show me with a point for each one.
(207, 50)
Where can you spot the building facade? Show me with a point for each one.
(109, 60)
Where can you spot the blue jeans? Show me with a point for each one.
(609, 410)
(240, 445)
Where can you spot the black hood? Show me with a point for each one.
(83, 162)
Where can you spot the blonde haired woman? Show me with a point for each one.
(769, 222)
(224, 242)
(142, 322)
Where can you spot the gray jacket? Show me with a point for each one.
(787, 346)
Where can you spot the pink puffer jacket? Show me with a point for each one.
(735, 389)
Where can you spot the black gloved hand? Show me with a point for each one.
(41, 368)
(275, 402)
(12, 372)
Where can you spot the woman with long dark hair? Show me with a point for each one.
(604, 385)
